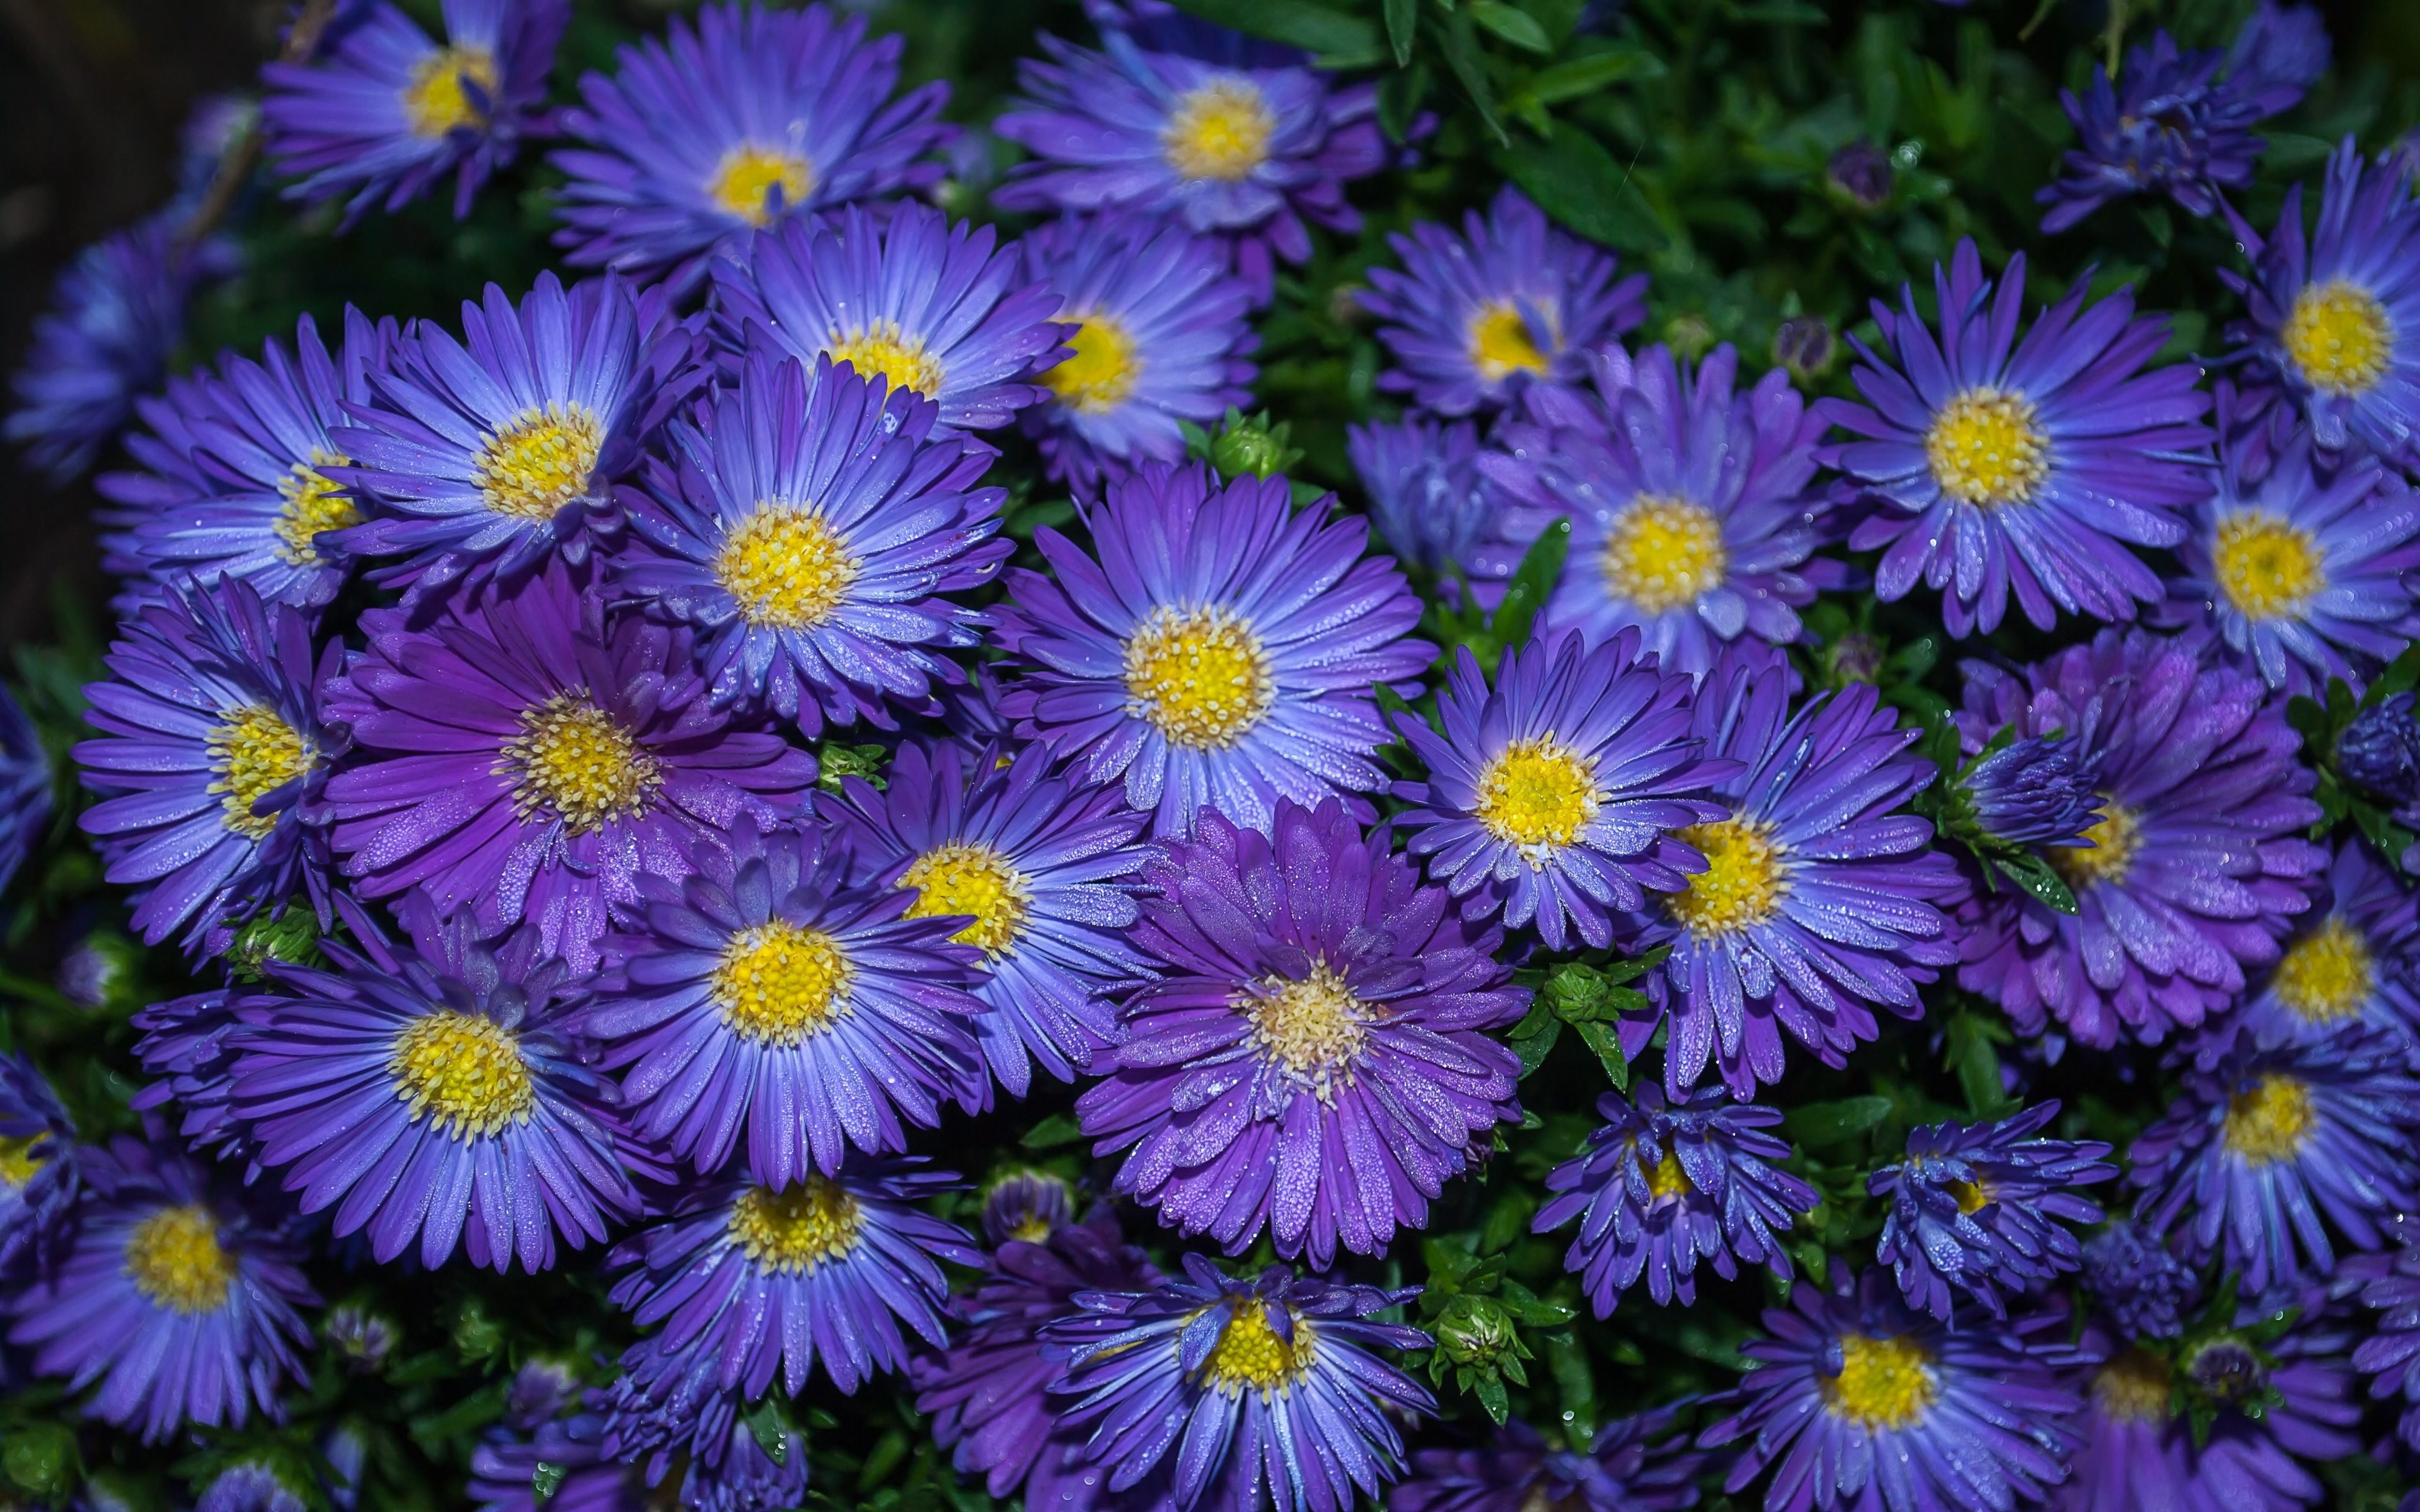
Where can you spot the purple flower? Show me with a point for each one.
(2136, 1280)
(2043, 790)
(806, 531)
(1553, 798)
(1029, 1206)
(666, 1423)
(213, 739)
(757, 1000)
(1691, 511)
(1160, 336)
(1633, 1464)
(1665, 1186)
(1434, 507)
(249, 1488)
(2195, 867)
(1861, 173)
(2002, 467)
(1223, 651)
(184, 1046)
(528, 759)
(2352, 961)
(24, 787)
(1471, 318)
(2391, 1354)
(383, 113)
(751, 116)
(538, 1393)
(2380, 751)
(1214, 1392)
(177, 1296)
(39, 1164)
(1315, 1059)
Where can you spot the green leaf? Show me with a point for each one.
(1514, 25)
(1533, 581)
(1819, 1125)
(546, 1479)
(1052, 1131)
(1568, 1362)
(2028, 872)
(769, 1426)
(1402, 23)
(1489, 1389)
(1603, 1038)
(1973, 1056)
(1315, 28)
(1461, 50)
(1576, 181)
(1532, 1048)
(1586, 75)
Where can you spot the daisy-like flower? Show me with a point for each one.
(1662, 1186)
(1223, 651)
(932, 307)
(1042, 873)
(1553, 798)
(2335, 316)
(1633, 1464)
(2391, 1354)
(765, 1280)
(2273, 1140)
(750, 116)
(173, 1293)
(430, 1094)
(2195, 865)
(383, 111)
(806, 533)
(1984, 1210)
(232, 485)
(1511, 301)
(1854, 1401)
(24, 787)
(758, 1000)
(184, 1048)
(1691, 513)
(1238, 138)
(1818, 902)
(2354, 961)
(1273, 1387)
(1029, 1206)
(1162, 333)
(38, 1162)
(2137, 1282)
(1434, 507)
(676, 1434)
(2001, 467)
(1315, 1059)
(213, 741)
(524, 758)
(501, 453)
(2304, 574)
(250, 1486)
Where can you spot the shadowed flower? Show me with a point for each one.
(24, 787)
(39, 1164)
(1984, 1210)
(1434, 507)
(1633, 1464)
(2391, 1354)
(2137, 1282)
(1029, 1206)
(249, 1488)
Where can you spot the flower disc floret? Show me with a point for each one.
(792, 1231)
(463, 1073)
(174, 1259)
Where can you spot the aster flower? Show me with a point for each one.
(1160, 336)
(2335, 316)
(2390, 1355)
(806, 533)
(184, 1048)
(1471, 318)
(1633, 1464)
(538, 1393)
(2380, 751)
(1229, 136)
(2137, 1282)
(2021, 799)
(1553, 797)
(1221, 651)
(1664, 1185)
(1862, 1403)
(1042, 873)
(24, 787)
(1691, 513)
(528, 761)
(431, 1095)
(1314, 1059)
(215, 746)
(1433, 506)
(1982, 1210)
(669, 1426)
(2002, 467)
(361, 1338)
(2195, 867)
(1818, 902)
(505, 1471)
(930, 306)
(2272, 1141)
(175, 1295)
(382, 113)
(37, 1163)
(249, 1487)
(1273, 1386)
(756, 1000)
(1029, 1206)
(2353, 961)
(746, 117)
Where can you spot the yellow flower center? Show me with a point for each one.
(1250, 1354)
(1668, 1180)
(1100, 372)
(1200, 677)
(786, 566)
(19, 1165)
(1662, 552)
(1314, 1028)
(1500, 342)
(2115, 836)
(540, 462)
(1221, 128)
(177, 1261)
(1986, 448)
(2268, 566)
(1882, 1383)
(2339, 337)
(2133, 1387)
(975, 881)
(781, 984)
(1744, 878)
(792, 1231)
(434, 99)
(312, 503)
(745, 179)
(462, 1071)
(1970, 1194)
(1538, 793)
(574, 760)
(883, 349)
(1032, 1229)
(2270, 1121)
(2327, 975)
(253, 753)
